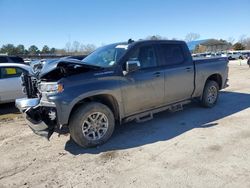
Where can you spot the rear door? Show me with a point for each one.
(10, 84)
(144, 88)
(178, 72)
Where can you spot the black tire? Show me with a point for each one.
(81, 115)
(209, 101)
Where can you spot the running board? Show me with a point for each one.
(148, 115)
(175, 108)
(141, 119)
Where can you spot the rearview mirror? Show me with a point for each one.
(132, 66)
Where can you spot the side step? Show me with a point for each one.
(141, 119)
(175, 108)
(148, 115)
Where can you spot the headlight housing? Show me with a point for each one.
(51, 87)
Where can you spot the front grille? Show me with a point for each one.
(30, 86)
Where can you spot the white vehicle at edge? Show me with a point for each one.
(10, 81)
(234, 55)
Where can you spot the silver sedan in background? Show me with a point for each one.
(10, 81)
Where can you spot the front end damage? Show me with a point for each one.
(41, 119)
(41, 109)
(40, 112)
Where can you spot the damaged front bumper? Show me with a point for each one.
(41, 119)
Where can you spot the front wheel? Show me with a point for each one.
(91, 124)
(210, 94)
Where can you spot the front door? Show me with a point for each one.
(144, 88)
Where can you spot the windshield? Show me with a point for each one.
(106, 56)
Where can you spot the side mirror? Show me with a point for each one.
(132, 66)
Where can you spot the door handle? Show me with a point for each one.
(188, 69)
(157, 74)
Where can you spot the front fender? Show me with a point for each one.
(66, 101)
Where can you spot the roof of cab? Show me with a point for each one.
(156, 41)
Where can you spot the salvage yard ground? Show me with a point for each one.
(195, 147)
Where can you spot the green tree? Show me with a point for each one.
(26, 52)
(20, 49)
(52, 50)
(45, 50)
(238, 46)
(33, 50)
(10, 49)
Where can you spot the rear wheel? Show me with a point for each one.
(92, 124)
(210, 94)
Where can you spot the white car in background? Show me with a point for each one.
(234, 55)
(10, 81)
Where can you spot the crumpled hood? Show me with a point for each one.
(50, 65)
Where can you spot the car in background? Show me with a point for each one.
(223, 54)
(234, 55)
(10, 81)
(11, 59)
(246, 55)
(199, 55)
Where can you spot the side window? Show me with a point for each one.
(16, 59)
(10, 72)
(146, 56)
(172, 54)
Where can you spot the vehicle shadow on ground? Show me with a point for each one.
(168, 125)
(8, 108)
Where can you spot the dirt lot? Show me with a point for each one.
(195, 147)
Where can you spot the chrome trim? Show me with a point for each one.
(24, 103)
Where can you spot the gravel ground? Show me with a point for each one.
(195, 147)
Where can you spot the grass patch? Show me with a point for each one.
(10, 117)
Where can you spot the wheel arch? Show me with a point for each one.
(217, 78)
(105, 99)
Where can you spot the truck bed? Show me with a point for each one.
(204, 67)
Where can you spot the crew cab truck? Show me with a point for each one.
(118, 83)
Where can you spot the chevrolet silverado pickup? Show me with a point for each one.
(115, 84)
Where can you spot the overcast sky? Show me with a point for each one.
(55, 22)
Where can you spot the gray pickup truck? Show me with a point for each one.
(118, 83)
